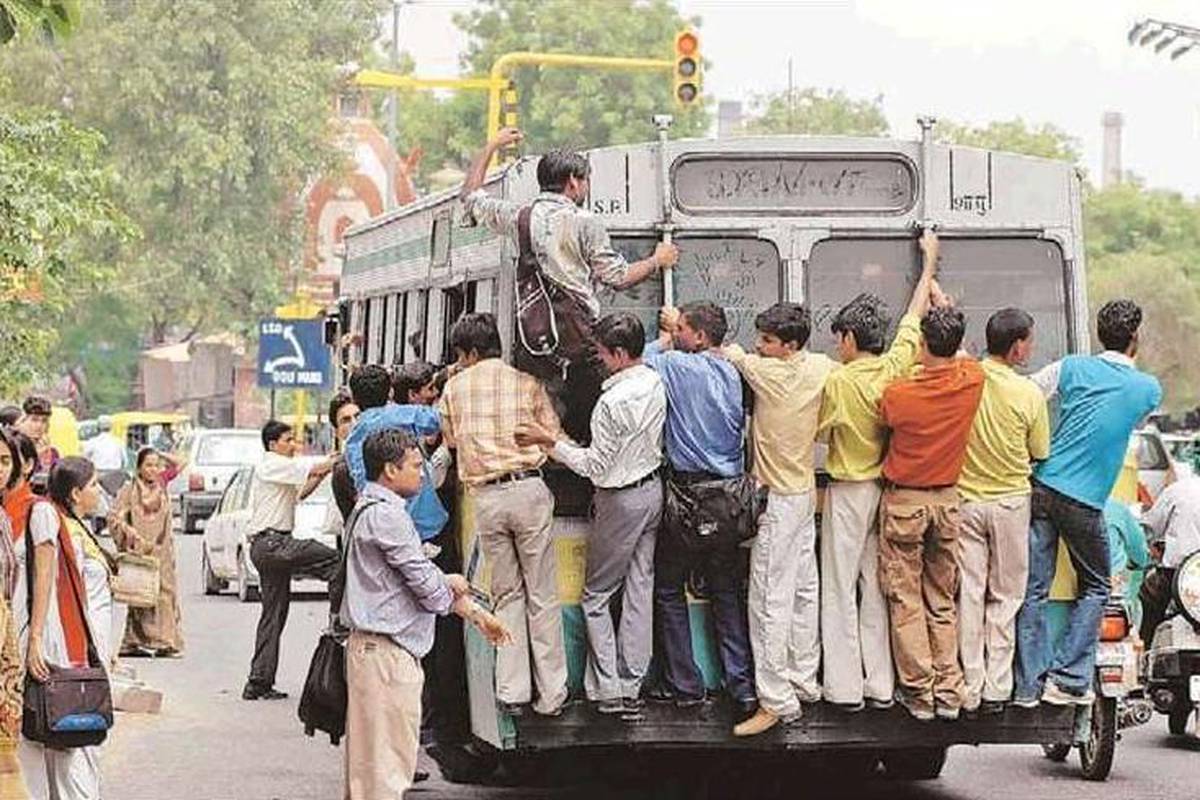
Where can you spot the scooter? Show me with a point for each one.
(1172, 664)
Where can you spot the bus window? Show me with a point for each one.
(434, 314)
(439, 246)
(982, 274)
(455, 303)
(414, 332)
(744, 275)
(401, 318)
(362, 324)
(383, 349)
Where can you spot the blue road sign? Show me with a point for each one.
(292, 354)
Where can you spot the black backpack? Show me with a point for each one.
(323, 701)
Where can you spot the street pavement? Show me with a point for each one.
(209, 744)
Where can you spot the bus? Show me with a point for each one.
(816, 220)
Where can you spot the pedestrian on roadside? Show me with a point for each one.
(140, 522)
(35, 423)
(622, 463)
(705, 437)
(1101, 399)
(280, 482)
(788, 383)
(482, 407)
(104, 450)
(575, 257)
(343, 413)
(12, 671)
(1011, 431)
(393, 592)
(930, 417)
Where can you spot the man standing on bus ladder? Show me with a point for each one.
(622, 462)
(572, 249)
(704, 437)
(1011, 430)
(788, 382)
(855, 646)
(930, 417)
(1101, 400)
(514, 510)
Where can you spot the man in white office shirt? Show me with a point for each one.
(623, 462)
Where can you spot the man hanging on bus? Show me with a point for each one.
(622, 462)
(481, 408)
(574, 254)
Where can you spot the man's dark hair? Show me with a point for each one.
(273, 431)
(1007, 327)
(385, 447)
(943, 328)
(477, 332)
(410, 377)
(707, 317)
(621, 330)
(370, 385)
(557, 167)
(36, 406)
(10, 415)
(1117, 323)
(14, 451)
(340, 398)
(789, 321)
(866, 316)
(68, 474)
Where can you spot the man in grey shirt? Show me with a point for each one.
(393, 592)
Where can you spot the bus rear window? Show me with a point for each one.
(982, 275)
(743, 275)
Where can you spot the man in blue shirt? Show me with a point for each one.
(371, 386)
(1101, 399)
(704, 434)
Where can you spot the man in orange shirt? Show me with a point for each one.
(930, 417)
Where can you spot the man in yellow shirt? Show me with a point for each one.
(854, 632)
(1011, 430)
(787, 382)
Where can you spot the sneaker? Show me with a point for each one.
(1026, 702)
(918, 711)
(252, 692)
(633, 703)
(609, 706)
(875, 704)
(945, 713)
(1057, 696)
(850, 708)
(761, 722)
(557, 711)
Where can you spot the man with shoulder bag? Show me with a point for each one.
(564, 256)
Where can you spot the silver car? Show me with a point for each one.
(213, 456)
(226, 549)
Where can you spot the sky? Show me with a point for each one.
(1064, 62)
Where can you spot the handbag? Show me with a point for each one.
(135, 578)
(323, 701)
(73, 707)
(554, 327)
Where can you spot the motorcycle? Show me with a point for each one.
(1172, 663)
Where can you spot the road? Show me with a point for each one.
(208, 744)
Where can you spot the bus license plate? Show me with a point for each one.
(1195, 689)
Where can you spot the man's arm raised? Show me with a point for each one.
(478, 171)
(930, 247)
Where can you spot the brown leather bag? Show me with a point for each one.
(554, 327)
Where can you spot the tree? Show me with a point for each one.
(217, 115)
(1127, 217)
(1013, 136)
(58, 219)
(575, 107)
(51, 18)
(815, 111)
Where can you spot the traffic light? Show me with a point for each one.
(687, 68)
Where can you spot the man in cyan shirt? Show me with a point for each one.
(704, 442)
(1010, 432)
(1101, 400)
(788, 382)
(854, 632)
(622, 462)
(930, 417)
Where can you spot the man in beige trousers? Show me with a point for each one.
(1011, 430)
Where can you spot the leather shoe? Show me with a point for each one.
(252, 692)
(761, 722)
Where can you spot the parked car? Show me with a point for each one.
(1154, 464)
(226, 549)
(211, 456)
(1183, 449)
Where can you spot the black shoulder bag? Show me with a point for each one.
(73, 707)
(323, 701)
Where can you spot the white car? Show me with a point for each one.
(226, 550)
(1155, 467)
(213, 456)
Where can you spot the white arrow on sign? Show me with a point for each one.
(296, 360)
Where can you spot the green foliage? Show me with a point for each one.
(58, 219)
(1013, 136)
(50, 18)
(815, 111)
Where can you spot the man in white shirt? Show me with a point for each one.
(622, 461)
(105, 451)
(280, 481)
(1174, 519)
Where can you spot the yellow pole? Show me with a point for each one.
(301, 307)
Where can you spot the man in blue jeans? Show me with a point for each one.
(1101, 399)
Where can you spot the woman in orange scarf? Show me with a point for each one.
(12, 671)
